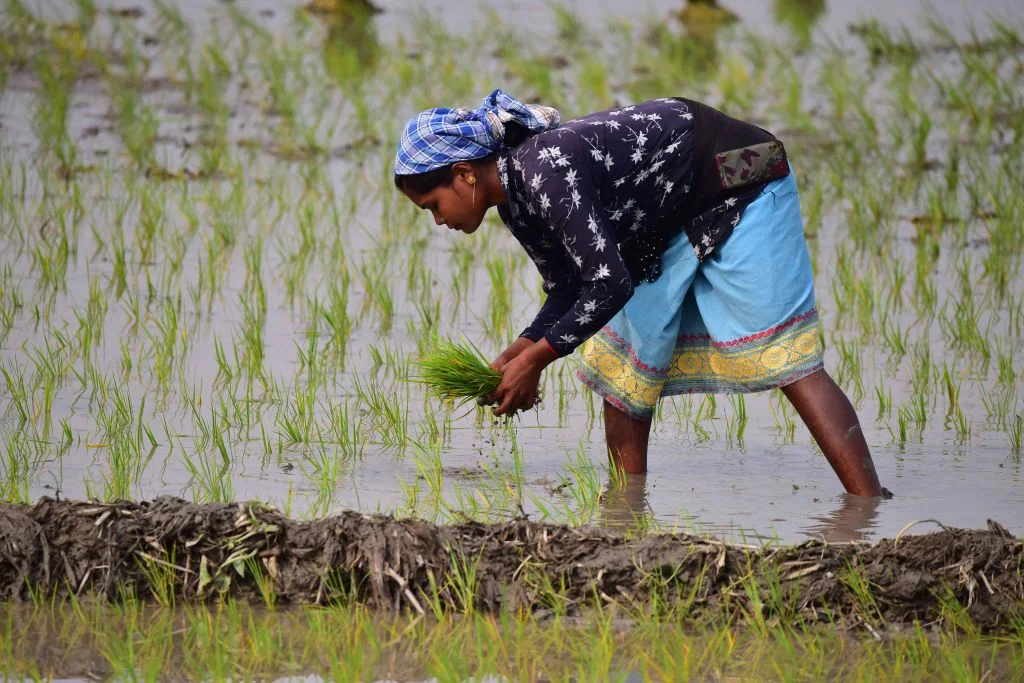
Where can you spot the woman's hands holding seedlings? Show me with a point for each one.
(499, 363)
(520, 365)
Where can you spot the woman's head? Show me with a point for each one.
(444, 154)
(450, 193)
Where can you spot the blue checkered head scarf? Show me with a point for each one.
(438, 137)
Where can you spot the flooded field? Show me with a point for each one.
(209, 288)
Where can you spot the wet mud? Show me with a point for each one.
(245, 550)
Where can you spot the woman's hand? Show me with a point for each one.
(521, 377)
(503, 359)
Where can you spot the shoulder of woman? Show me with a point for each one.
(551, 150)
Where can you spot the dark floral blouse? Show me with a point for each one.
(594, 202)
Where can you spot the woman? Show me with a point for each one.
(671, 245)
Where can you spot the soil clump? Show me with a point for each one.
(250, 551)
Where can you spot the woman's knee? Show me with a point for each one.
(816, 381)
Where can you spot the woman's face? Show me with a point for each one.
(455, 205)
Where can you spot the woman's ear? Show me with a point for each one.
(464, 171)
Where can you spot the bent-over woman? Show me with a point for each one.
(671, 246)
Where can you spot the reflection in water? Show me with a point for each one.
(625, 508)
(351, 49)
(852, 521)
(703, 18)
(800, 16)
(699, 49)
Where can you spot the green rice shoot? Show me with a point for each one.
(457, 373)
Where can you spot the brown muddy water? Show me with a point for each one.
(771, 483)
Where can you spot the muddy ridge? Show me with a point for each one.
(194, 551)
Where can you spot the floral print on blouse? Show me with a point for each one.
(585, 197)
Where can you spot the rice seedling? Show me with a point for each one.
(296, 423)
(850, 369)
(377, 293)
(699, 431)
(499, 301)
(997, 404)
(952, 390)
(164, 340)
(896, 338)
(18, 467)
(737, 423)
(884, 395)
(1015, 432)
(861, 591)
(128, 441)
(456, 373)
(388, 415)
(428, 467)
(345, 430)
(962, 427)
(582, 480)
(902, 422)
(1007, 373)
(210, 473)
(325, 468)
(784, 415)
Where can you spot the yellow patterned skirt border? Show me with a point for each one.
(767, 360)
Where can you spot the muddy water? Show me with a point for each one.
(766, 487)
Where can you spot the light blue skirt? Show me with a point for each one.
(741, 320)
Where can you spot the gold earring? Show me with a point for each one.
(472, 181)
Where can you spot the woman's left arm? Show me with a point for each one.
(563, 192)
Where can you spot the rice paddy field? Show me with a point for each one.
(210, 289)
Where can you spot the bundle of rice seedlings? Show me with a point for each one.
(456, 373)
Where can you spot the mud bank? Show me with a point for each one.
(199, 552)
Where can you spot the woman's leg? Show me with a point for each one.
(833, 422)
(627, 440)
